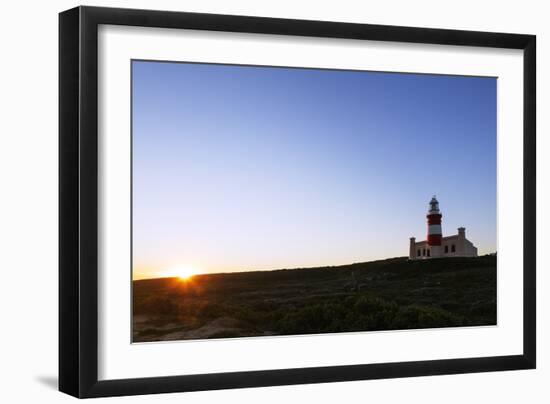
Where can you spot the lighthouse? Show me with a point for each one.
(435, 245)
(434, 228)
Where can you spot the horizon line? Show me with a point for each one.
(303, 268)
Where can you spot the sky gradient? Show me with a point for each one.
(241, 168)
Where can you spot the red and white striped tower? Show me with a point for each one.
(434, 228)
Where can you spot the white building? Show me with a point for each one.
(437, 246)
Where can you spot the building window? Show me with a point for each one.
(423, 252)
(419, 252)
(428, 253)
(453, 248)
(446, 249)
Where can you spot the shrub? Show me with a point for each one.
(156, 305)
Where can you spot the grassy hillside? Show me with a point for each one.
(379, 295)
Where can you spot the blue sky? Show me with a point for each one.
(246, 168)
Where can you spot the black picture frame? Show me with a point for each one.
(78, 201)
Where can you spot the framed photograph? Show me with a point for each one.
(250, 201)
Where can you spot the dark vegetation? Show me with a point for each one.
(381, 295)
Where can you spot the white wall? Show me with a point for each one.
(28, 198)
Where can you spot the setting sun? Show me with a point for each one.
(183, 272)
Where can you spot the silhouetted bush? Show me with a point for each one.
(156, 305)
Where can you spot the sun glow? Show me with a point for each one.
(183, 273)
